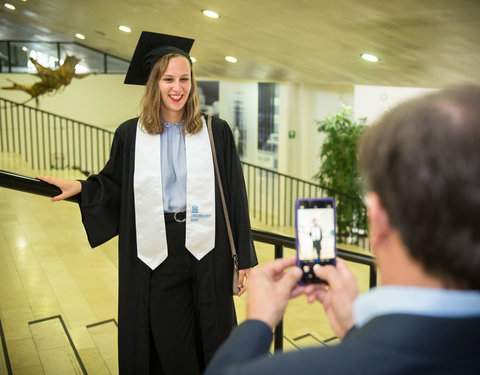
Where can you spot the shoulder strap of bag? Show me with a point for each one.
(220, 187)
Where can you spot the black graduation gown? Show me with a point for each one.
(107, 208)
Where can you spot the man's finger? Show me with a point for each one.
(297, 291)
(313, 288)
(341, 265)
(327, 273)
(279, 265)
(291, 277)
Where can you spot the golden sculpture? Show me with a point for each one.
(51, 79)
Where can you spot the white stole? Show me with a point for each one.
(148, 196)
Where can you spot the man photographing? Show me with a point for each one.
(421, 165)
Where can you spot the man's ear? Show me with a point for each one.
(378, 221)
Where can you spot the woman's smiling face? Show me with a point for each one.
(175, 85)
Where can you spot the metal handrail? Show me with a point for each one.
(49, 141)
(289, 242)
(34, 186)
(29, 184)
(272, 195)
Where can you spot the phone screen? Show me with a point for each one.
(315, 235)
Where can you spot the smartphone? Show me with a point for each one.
(315, 235)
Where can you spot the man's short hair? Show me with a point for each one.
(423, 160)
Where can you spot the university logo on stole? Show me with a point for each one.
(197, 215)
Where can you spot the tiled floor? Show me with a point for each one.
(58, 297)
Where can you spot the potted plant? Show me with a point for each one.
(339, 174)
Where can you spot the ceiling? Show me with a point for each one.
(428, 43)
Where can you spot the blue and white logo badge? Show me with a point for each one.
(197, 215)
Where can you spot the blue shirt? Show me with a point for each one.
(174, 167)
(445, 303)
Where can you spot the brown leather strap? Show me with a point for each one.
(220, 187)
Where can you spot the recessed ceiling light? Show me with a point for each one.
(193, 59)
(25, 49)
(9, 6)
(211, 13)
(231, 59)
(125, 28)
(369, 57)
(79, 36)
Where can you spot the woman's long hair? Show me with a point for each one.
(150, 115)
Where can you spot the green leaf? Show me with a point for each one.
(338, 170)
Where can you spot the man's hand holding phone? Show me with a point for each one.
(337, 297)
(270, 287)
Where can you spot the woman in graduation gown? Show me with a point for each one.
(158, 193)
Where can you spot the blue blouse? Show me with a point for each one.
(174, 167)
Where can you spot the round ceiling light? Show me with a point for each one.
(211, 14)
(369, 57)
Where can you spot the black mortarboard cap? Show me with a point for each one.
(150, 48)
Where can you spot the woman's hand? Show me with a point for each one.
(242, 280)
(69, 188)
